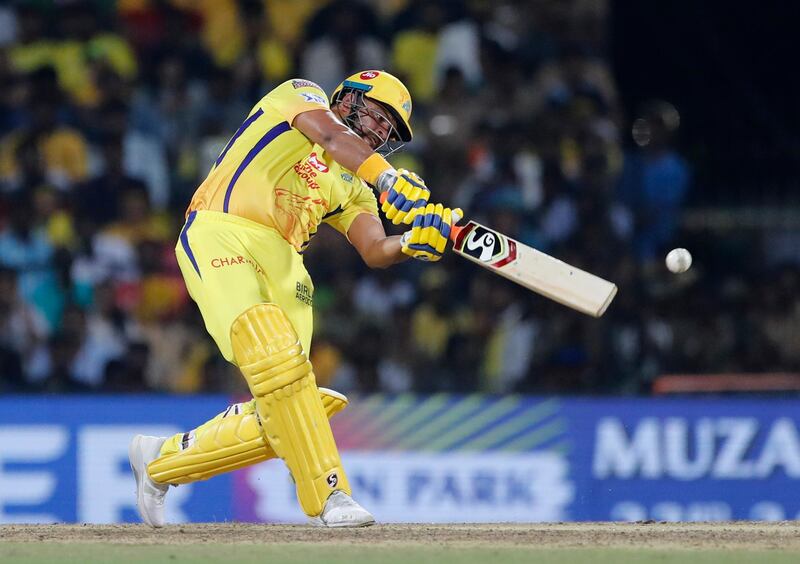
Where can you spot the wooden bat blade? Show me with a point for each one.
(533, 269)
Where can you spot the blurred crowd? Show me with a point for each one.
(112, 112)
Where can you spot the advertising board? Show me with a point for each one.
(437, 458)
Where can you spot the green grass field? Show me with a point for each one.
(13, 553)
(593, 543)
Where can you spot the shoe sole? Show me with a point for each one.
(134, 458)
(318, 522)
(351, 525)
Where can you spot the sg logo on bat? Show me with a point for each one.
(482, 244)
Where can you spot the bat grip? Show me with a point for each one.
(454, 230)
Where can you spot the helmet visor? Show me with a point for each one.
(373, 122)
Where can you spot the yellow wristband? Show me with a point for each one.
(372, 168)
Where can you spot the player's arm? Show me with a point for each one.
(324, 128)
(378, 250)
(406, 192)
(426, 240)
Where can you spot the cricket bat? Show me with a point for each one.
(535, 270)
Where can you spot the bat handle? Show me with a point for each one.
(454, 230)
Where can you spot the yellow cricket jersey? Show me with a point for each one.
(272, 174)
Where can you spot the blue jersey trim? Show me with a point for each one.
(247, 123)
(185, 242)
(269, 136)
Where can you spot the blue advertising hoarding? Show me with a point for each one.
(429, 459)
(685, 459)
(65, 459)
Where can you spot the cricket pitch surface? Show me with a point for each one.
(592, 543)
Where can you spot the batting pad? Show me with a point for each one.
(231, 440)
(279, 375)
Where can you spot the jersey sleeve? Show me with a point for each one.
(296, 96)
(358, 199)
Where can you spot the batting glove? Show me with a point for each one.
(406, 194)
(428, 236)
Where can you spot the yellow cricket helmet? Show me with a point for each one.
(380, 86)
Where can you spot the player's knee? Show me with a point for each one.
(267, 349)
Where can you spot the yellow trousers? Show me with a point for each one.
(231, 264)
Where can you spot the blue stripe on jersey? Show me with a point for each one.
(247, 123)
(185, 241)
(269, 136)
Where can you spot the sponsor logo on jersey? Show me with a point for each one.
(368, 75)
(313, 98)
(308, 173)
(347, 177)
(222, 262)
(317, 163)
(305, 84)
(304, 294)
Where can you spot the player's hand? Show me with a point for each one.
(428, 236)
(406, 196)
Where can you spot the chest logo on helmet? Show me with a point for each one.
(368, 75)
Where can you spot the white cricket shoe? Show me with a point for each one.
(149, 494)
(342, 511)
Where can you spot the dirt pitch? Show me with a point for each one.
(738, 536)
(562, 543)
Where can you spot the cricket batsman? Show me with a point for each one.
(297, 161)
